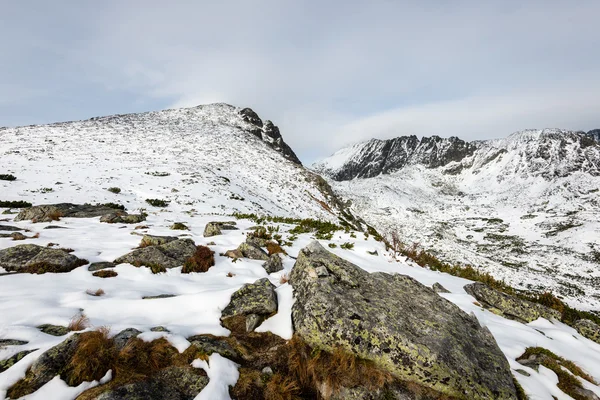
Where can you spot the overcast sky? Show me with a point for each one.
(329, 73)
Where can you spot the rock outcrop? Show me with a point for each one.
(404, 327)
(273, 264)
(588, 329)
(509, 306)
(168, 255)
(250, 306)
(37, 259)
(52, 212)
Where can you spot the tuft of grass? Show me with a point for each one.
(157, 202)
(93, 358)
(105, 273)
(114, 189)
(95, 293)
(332, 245)
(79, 322)
(7, 177)
(570, 365)
(14, 204)
(284, 278)
(274, 248)
(282, 388)
(347, 246)
(200, 261)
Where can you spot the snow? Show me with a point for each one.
(196, 147)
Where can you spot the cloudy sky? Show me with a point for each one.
(329, 73)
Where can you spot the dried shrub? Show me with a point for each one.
(282, 388)
(200, 261)
(157, 202)
(79, 322)
(105, 273)
(93, 357)
(284, 278)
(14, 204)
(114, 189)
(95, 293)
(274, 248)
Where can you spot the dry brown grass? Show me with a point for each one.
(281, 388)
(93, 357)
(230, 275)
(55, 215)
(36, 236)
(284, 278)
(201, 261)
(96, 293)
(274, 248)
(105, 273)
(79, 322)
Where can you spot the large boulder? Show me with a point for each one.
(37, 259)
(250, 306)
(404, 327)
(216, 227)
(509, 306)
(168, 255)
(52, 212)
(588, 329)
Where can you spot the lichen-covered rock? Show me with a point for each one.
(216, 227)
(151, 240)
(9, 362)
(121, 217)
(257, 298)
(404, 327)
(47, 366)
(54, 330)
(209, 344)
(439, 288)
(273, 264)
(256, 241)
(253, 252)
(235, 253)
(168, 255)
(97, 266)
(179, 226)
(172, 383)
(121, 338)
(12, 342)
(37, 259)
(509, 306)
(18, 236)
(51, 212)
(588, 329)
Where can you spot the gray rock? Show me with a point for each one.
(253, 321)
(253, 252)
(401, 325)
(256, 242)
(273, 264)
(509, 306)
(179, 226)
(18, 236)
(151, 240)
(209, 344)
(12, 342)
(160, 296)
(121, 217)
(257, 298)
(588, 329)
(97, 266)
(159, 329)
(51, 212)
(37, 259)
(55, 227)
(9, 228)
(169, 255)
(9, 362)
(172, 383)
(216, 227)
(235, 253)
(438, 288)
(121, 338)
(54, 330)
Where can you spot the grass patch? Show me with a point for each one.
(113, 205)
(158, 173)
(274, 248)
(14, 204)
(200, 261)
(347, 246)
(79, 322)
(114, 189)
(157, 202)
(7, 177)
(105, 273)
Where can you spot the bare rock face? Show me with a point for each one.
(404, 327)
(37, 259)
(510, 306)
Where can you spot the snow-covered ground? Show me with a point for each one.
(533, 221)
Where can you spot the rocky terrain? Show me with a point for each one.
(187, 254)
(524, 208)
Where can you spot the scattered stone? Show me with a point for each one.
(588, 329)
(273, 264)
(18, 236)
(404, 327)
(169, 255)
(509, 306)
(151, 240)
(10, 228)
(159, 329)
(438, 288)
(121, 338)
(209, 344)
(38, 259)
(522, 372)
(179, 226)
(235, 254)
(54, 330)
(256, 242)
(52, 212)
(258, 298)
(211, 244)
(253, 252)
(97, 266)
(55, 227)
(6, 364)
(267, 371)
(160, 296)
(216, 227)
(12, 342)
(122, 217)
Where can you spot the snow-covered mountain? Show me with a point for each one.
(208, 159)
(526, 208)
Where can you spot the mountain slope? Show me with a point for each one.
(525, 208)
(211, 159)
